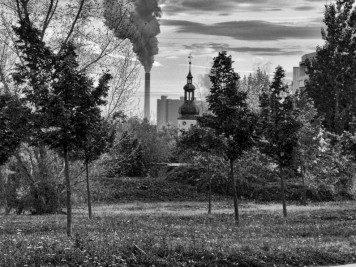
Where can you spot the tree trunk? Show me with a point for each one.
(88, 189)
(43, 162)
(304, 193)
(209, 190)
(69, 192)
(6, 207)
(283, 192)
(3, 199)
(233, 183)
(209, 197)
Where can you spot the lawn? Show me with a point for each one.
(182, 234)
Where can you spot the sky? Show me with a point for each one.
(256, 33)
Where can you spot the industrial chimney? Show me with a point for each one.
(138, 23)
(147, 96)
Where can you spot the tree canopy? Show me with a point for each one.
(332, 73)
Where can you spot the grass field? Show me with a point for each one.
(182, 234)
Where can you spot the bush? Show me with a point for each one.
(44, 199)
(184, 175)
(39, 198)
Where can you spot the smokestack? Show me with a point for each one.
(147, 96)
(137, 21)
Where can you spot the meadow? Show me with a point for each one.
(183, 234)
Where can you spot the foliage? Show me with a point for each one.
(332, 72)
(256, 170)
(139, 147)
(147, 189)
(63, 98)
(279, 127)
(28, 187)
(13, 125)
(177, 234)
(206, 156)
(230, 115)
(128, 159)
(254, 85)
(279, 122)
(323, 159)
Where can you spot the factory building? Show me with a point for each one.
(299, 73)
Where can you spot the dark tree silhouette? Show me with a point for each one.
(230, 117)
(280, 126)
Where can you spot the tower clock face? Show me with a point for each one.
(184, 123)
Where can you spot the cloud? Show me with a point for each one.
(157, 64)
(225, 6)
(249, 30)
(304, 8)
(261, 51)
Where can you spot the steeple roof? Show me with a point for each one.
(189, 110)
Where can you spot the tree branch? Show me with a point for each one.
(49, 16)
(73, 25)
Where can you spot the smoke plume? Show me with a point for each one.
(136, 20)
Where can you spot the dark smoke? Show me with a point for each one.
(136, 20)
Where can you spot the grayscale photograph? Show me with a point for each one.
(178, 133)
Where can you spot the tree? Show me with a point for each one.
(332, 73)
(97, 139)
(206, 145)
(230, 117)
(310, 135)
(254, 85)
(279, 127)
(64, 101)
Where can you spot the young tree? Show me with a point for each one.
(230, 117)
(206, 145)
(97, 139)
(332, 73)
(64, 101)
(279, 127)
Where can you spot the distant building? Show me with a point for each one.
(189, 111)
(299, 73)
(167, 111)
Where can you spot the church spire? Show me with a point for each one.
(190, 76)
(188, 112)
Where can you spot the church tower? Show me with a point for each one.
(188, 112)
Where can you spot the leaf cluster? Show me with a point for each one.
(13, 125)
